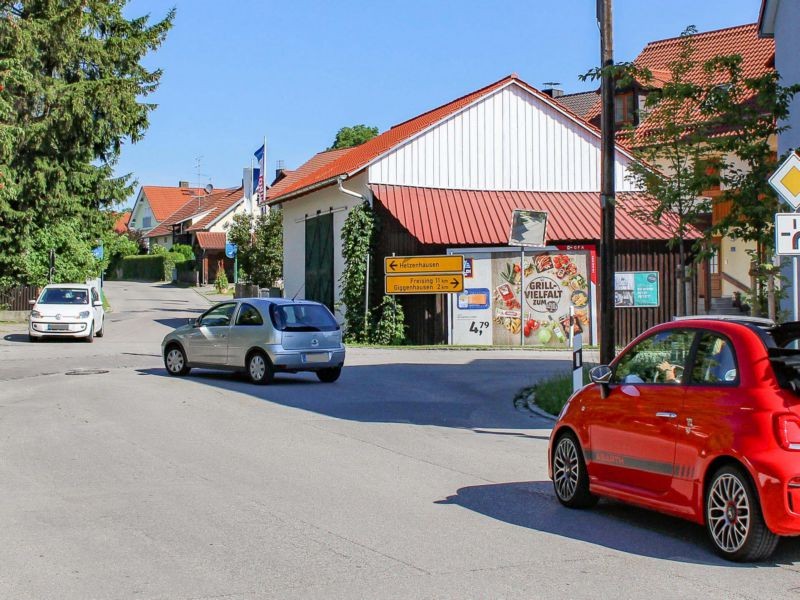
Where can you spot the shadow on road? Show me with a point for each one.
(474, 395)
(22, 338)
(532, 504)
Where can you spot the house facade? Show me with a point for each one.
(449, 179)
(202, 222)
(727, 273)
(779, 20)
(154, 203)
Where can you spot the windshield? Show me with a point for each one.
(302, 317)
(64, 296)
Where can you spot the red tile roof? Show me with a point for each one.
(757, 59)
(211, 240)
(471, 217)
(210, 206)
(165, 200)
(355, 159)
(318, 161)
(121, 222)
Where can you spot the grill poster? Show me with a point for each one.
(529, 299)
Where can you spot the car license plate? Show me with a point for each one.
(318, 357)
(58, 327)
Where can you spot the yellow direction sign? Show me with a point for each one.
(442, 263)
(424, 284)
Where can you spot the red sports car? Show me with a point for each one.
(698, 418)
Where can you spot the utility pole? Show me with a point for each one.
(607, 200)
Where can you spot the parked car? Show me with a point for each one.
(261, 337)
(698, 418)
(67, 310)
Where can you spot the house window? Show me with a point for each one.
(624, 108)
(147, 222)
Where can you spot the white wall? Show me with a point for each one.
(511, 140)
(294, 233)
(140, 211)
(225, 222)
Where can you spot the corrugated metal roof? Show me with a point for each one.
(475, 217)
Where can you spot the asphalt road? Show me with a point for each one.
(413, 476)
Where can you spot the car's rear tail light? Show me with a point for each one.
(787, 429)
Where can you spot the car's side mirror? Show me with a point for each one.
(602, 375)
(97, 303)
(32, 302)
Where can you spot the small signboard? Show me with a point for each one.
(528, 228)
(636, 289)
(474, 299)
(424, 284)
(442, 263)
(787, 234)
(231, 249)
(786, 181)
(97, 251)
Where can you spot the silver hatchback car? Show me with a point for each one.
(261, 337)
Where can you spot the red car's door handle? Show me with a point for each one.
(666, 415)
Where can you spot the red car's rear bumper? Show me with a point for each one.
(776, 473)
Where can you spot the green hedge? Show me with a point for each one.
(148, 268)
(186, 266)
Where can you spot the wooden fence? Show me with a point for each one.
(18, 298)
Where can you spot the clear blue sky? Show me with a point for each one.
(297, 71)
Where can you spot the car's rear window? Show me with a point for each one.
(65, 296)
(302, 317)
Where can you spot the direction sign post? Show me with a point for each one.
(424, 284)
(447, 263)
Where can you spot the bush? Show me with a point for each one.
(221, 282)
(184, 250)
(389, 323)
(185, 266)
(147, 268)
(552, 393)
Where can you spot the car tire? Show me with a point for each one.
(175, 361)
(570, 477)
(102, 331)
(329, 375)
(733, 516)
(259, 368)
(90, 338)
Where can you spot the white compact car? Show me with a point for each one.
(67, 310)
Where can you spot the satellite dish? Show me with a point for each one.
(209, 188)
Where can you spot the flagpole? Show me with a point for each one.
(264, 173)
(252, 191)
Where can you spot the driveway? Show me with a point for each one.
(413, 476)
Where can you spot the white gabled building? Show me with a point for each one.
(450, 178)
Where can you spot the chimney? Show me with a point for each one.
(280, 171)
(183, 184)
(553, 92)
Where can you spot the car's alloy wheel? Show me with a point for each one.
(329, 375)
(175, 361)
(570, 479)
(734, 520)
(259, 369)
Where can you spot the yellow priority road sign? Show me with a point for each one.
(424, 284)
(442, 263)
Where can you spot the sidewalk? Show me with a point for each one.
(209, 293)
